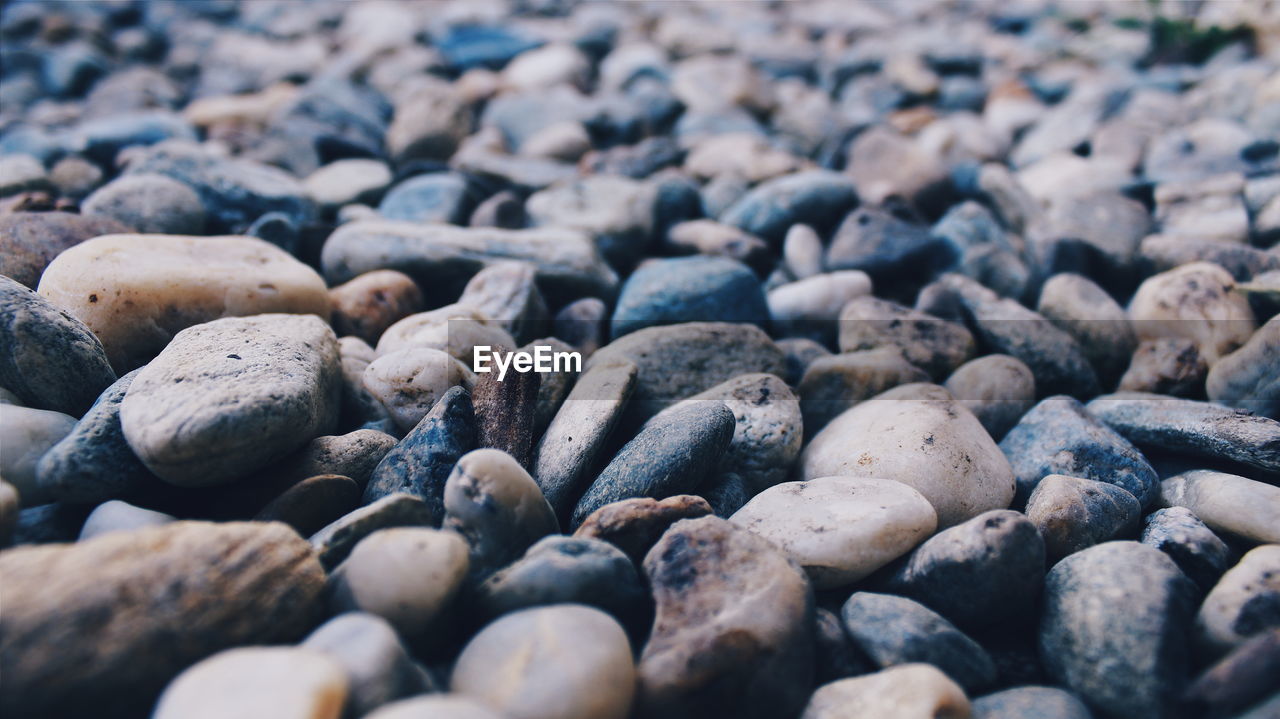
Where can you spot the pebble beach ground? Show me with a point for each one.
(903, 360)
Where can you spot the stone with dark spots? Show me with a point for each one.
(1030, 703)
(985, 571)
(559, 570)
(1073, 513)
(895, 630)
(1249, 378)
(313, 503)
(1245, 602)
(673, 454)
(335, 540)
(885, 246)
(1113, 629)
(931, 343)
(504, 413)
(99, 627)
(1197, 551)
(48, 358)
(634, 525)
(1168, 365)
(1061, 436)
(30, 240)
(420, 464)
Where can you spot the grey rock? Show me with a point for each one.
(1198, 552)
(27, 435)
(29, 241)
(634, 525)
(1249, 378)
(1097, 322)
(885, 246)
(420, 463)
(1030, 703)
(837, 657)
(1073, 513)
(353, 455)
(726, 493)
(335, 541)
(1169, 366)
(22, 173)
(616, 212)
(998, 389)
(583, 324)
(798, 354)
(313, 503)
(1164, 253)
(434, 198)
(118, 516)
(149, 203)
(507, 293)
(378, 667)
(835, 383)
(817, 198)
(931, 343)
(689, 289)
(565, 570)
(1239, 680)
(1243, 604)
(1226, 503)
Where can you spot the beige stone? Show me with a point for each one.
(1227, 502)
(907, 691)
(257, 683)
(1197, 301)
(409, 381)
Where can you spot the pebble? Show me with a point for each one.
(335, 541)
(818, 198)
(1198, 552)
(805, 307)
(1169, 365)
(931, 343)
(689, 289)
(507, 293)
(1248, 378)
(1240, 679)
(28, 434)
(565, 570)
(635, 525)
(997, 389)
(1074, 513)
(798, 354)
(908, 691)
(437, 706)
(9, 504)
(406, 575)
(836, 657)
(1243, 603)
(840, 529)
(707, 237)
(895, 630)
(1195, 301)
(22, 173)
(1226, 503)
(885, 245)
(420, 463)
(1061, 436)
(48, 358)
(378, 667)
(152, 204)
(75, 177)
(231, 396)
(919, 435)
(118, 516)
(312, 503)
(456, 329)
(353, 455)
(615, 212)
(832, 384)
(29, 241)
(441, 197)
(256, 683)
(409, 382)
(725, 492)
(429, 124)
(1030, 703)
(567, 661)
(802, 251)
(136, 292)
(497, 507)
(733, 629)
(78, 634)
(980, 573)
(505, 413)
(346, 181)
(1113, 628)
(367, 305)
(672, 454)
(1098, 323)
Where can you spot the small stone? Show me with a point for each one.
(212, 586)
(931, 343)
(689, 289)
(29, 241)
(457, 329)
(428, 124)
(48, 358)
(1099, 325)
(257, 683)
(505, 413)
(583, 324)
(9, 512)
(707, 237)
(1195, 301)
(634, 525)
(1198, 552)
(733, 632)
(840, 529)
(1060, 436)
(1249, 378)
(437, 706)
(231, 396)
(503, 209)
(837, 658)
(806, 307)
(441, 197)
(895, 630)
(313, 503)
(566, 570)
(745, 154)
(507, 293)
(907, 691)
(919, 435)
(1226, 503)
(136, 292)
(834, 383)
(421, 462)
(1113, 628)
(998, 389)
(884, 164)
(377, 665)
(671, 455)
(352, 455)
(1169, 365)
(118, 516)
(1166, 252)
(22, 173)
(359, 407)
(986, 571)
(369, 304)
(410, 381)
(818, 198)
(616, 212)
(564, 661)
(725, 492)
(798, 354)
(1073, 513)
(1030, 703)
(802, 252)
(335, 541)
(153, 204)
(27, 435)
(347, 181)
(497, 507)
(885, 244)
(1244, 603)
(406, 575)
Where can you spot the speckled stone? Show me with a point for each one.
(1198, 552)
(1244, 603)
(931, 343)
(998, 389)
(336, 540)
(420, 463)
(566, 570)
(634, 525)
(1074, 513)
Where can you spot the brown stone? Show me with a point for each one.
(30, 240)
(634, 525)
(313, 503)
(505, 412)
(367, 305)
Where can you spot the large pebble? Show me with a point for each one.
(997, 388)
(906, 691)
(28, 435)
(377, 665)
(409, 382)
(733, 632)
(1198, 552)
(456, 329)
(30, 240)
(136, 292)
(840, 529)
(919, 435)
(931, 343)
(230, 396)
(1030, 702)
(689, 289)
(258, 683)
(1244, 603)
(109, 621)
(634, 525)
(1249, 378)
(1074, 513)
(1227, 503)
(421, 462)
(369, 304)
(1113, 628)
(566, 570)
(672, 454)
(48, 358)
(834, 383)
(561, 662)
(152, 204)
(1195, 301)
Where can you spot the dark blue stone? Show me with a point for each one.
(818, 198)
(689, 289)
(442, 197)
(469, 46)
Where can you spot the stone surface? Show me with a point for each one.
(1244, 603)
(1240, 679)
(48, 358)
(733, 626)
(135, 608)
(377, 665)
(284, 682)
(565, 661)
(906, 690)
(998, 389)
(1247, 378)
(347, 181)
(817, 198)
(634, 525)
(455, 328)
(409, 382)
(354, 454)
(929, 342)
(1030, 703)
(28, 434)
(1099, 325)
(805, 308)
(672, 454)
(152, 204)
(1198, 552)
(1073, 513)
(230, 396)
(505, 413)
(1113, 628)
(1195, 301)
(421, 462)
(118, 516)
(335, 541)
(840, 529)
(439, 706)
(9, 512)
(136, 292)
(313, 503)
(919, 435)
(507, 293)
(566, 570)
(369, 304)
(1169, 365)
(1226, 503)
(834, 383)
(689, 289)
(30, 240)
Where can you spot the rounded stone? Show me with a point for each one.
(153, 204)
(1227, 503)
(1099, 325)
(456, 329)
(378, 666)
(435, 706)
(367, 305)
(1073, 513)
(29, 241)
(1244, 603)
(258, 683)
(998, 389)
(689, 289)
(634, 525)
(931, 343)
(1196, 301)
(27, 435)
(840, 529)
(565, 570)
(908, 691)
(805, 308)
(1030, 703)
(312, 503)
(1177, 532)
(347, 181)
(118, 516)
(409, 382)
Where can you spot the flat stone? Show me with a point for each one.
(931, 343)
(1074, 513)
(77, 633)
(1061, 436)
(634, 525)
(406, 575)
(367, 305)
(1197, 551)
(919, 435)
(818, 198)
(250, 682)
(136, 292)
(335, 541)
(48, 358)
(733, 631)
(1195, 301)
(505, 413)
(1226, 503)
(1113, 628)
(566, 570)
(1244, 603)
(409, 382)
(671, 455)
(313, 503)
(150, 204)
(378, 666)
(906, 690)
(421, 462)
(1030, 703)
(231, 396)
(564, 661)
(1247, 378)
(616, 212)
(689, 289)
(997, 388)
(28, 434)
(30, 240)
(896, 630)
(346, 181)
(118, 516)
(837, 658)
